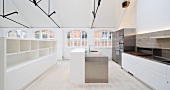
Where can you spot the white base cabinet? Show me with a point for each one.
(77, 65)
(23, 60)
(152, 73)
(168, 86)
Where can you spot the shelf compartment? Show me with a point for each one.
(54, 44)
(52, 50)
(25, 45)
(18, 59)
(45, 44)
(34, 45)
(44, 52)
(13, 46)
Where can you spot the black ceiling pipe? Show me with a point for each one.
(5, 16)
(95, 13)
(35, 3)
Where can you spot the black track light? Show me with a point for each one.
(5, 16)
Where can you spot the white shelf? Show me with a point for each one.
(161, 37)
(27, 62)
(44, 52)
(12, 46)
(24, 58)
(15, 59)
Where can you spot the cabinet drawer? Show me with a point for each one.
(152, 65)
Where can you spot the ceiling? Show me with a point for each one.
(69, 13)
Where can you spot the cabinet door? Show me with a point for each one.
(168, 74)
(141, 73)
(168, 86)
(157, 80)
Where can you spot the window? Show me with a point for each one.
(103, 38)
(17, 34)
(76, 38)
(44, 34)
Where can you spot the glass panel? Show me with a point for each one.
(75, 42)
(69, 43)
(105, 43)
(78, 42)
(102, 43)
(110, 35)
(37, 34)
(44, 34)
(12, 34)
(85, 43)
(77, 33)
(110, 43)
(68, 35)
(51, 34)
(24, 34)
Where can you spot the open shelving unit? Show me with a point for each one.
(29, 57)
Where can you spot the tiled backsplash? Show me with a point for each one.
(144, 40)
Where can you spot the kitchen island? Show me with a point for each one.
(96, 68)
(88, 67)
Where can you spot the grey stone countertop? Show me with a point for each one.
(154, 58)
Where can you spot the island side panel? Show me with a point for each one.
(77, 66)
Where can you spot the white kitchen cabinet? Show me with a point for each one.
(168, 74)
(150, 72)
(168, 86)
(157, 80)
(141, 73)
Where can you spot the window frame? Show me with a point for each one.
(107, 39)
(18, 34)
(44, 32)
(72, 38)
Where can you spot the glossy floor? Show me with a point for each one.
(57, 78)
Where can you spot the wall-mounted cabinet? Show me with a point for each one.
(23, 60)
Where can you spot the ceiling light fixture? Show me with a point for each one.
(49, 15)
(95, 13)
(5, 16)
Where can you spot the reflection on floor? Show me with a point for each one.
(57, 78)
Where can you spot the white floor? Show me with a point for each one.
(57, 78)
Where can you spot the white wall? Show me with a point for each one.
(153, 15)
(90, 37)
(129, 17)
(1, 32)
(30, 35)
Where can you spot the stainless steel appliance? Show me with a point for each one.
(123, 40)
